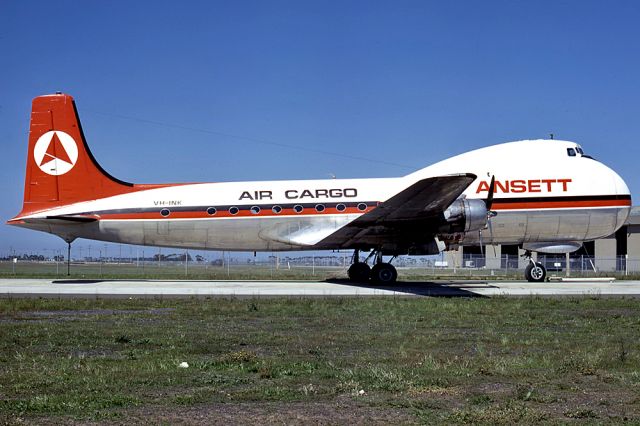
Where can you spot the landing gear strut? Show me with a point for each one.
(535, 272)
(381, 273)
(69, 257)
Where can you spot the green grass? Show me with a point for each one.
(336, 360)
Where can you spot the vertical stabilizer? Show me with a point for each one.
(60, 167)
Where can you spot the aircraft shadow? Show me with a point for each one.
(72, 281)
(424, 288)
(418, 288)
(93, 281)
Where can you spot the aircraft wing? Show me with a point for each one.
(403, 216)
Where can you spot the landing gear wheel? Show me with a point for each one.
(384, 273)
(535, 273)
(359, 272)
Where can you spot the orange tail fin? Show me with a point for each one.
(60, 167)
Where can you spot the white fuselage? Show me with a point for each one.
(542, 194)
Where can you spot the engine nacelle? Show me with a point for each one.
(553, 248)
(464, 215)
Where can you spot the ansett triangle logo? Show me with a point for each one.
(55, 153)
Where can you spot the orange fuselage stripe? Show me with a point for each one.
(529, 205)
(225, 213)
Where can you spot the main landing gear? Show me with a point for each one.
(535, 272)
(381, 273)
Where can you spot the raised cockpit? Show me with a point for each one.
(577, 152)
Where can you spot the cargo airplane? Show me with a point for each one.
(543, 195)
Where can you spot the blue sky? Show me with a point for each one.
(225, 91)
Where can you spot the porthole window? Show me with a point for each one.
(255, 209)
(276, 209)
(165, 212)
(298, 208)
(362, 207)
(234, 210)
(341, 207)
(211, 211)
(319, 208)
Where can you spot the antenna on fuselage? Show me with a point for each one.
(551, 136)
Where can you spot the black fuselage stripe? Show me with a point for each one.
(622, 197)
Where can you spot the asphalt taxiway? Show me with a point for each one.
(170, 288)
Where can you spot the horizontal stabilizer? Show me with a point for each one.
(57, 220)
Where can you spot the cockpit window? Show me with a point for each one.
(571, 152)
(579, 150)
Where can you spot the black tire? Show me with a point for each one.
(535, 273)
(359, 272)
(384, 273)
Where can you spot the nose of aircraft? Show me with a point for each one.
(620, 184)
(613, 183)
(621, 190)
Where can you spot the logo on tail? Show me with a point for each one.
(55, 153)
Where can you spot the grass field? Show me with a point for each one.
(202, 271)
(321, 360)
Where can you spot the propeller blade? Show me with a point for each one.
(492, 187)
(489, 203)
(490, 228)
(493, 245)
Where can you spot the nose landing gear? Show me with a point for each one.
(381, 273)
(535, 272)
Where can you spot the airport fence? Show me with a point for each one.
(308, 267)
